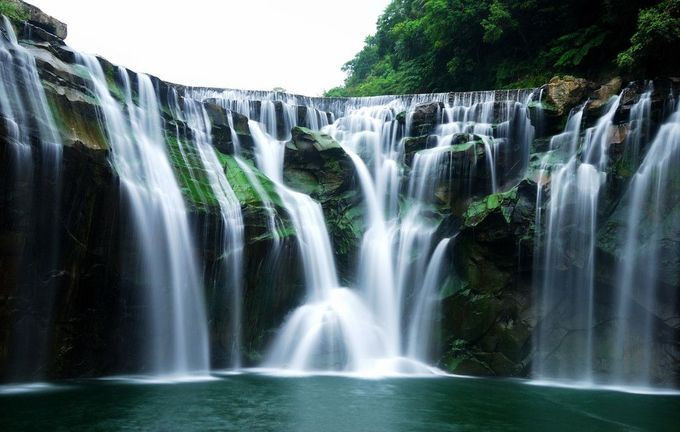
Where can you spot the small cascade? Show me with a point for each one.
(231, 244)
(32, 196)
(399, 249)
(307, 339)
(178, 338)
(640, 124)
(646, 294)
(332, 330)
(273, 222)
(420, 337)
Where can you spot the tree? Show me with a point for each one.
(444, 45)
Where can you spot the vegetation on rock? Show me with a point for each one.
(12, 10)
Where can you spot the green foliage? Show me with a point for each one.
(498, 20)
(571, 49)
(658, 31)
(479, 210)
(443, 45)
(336, 92)
(13, 11)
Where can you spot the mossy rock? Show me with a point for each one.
(479, 210)
(76, 117)
(15, 11)
(305, 139)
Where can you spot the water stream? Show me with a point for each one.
(178, 337)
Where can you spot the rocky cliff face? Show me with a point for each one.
(86, 304)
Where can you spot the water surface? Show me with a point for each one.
(264, 403)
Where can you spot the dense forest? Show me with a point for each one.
(442, 45)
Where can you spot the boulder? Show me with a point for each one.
(314, 163)
(486, 313)
(605, 93)
(308, 141)
(565, 92)
(424, 118)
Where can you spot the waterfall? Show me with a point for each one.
(650, 220)
(178, 338)
(424, 311)
(640, 124)
(231, 241)
(33, 197)
(567, 288)
(550, 296)
(397, 248)
(343, 329)
(306, 338)
(440, 185)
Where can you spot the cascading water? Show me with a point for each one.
(640, 124)
(26, 118)
(307, 337)
(651, 220)
(363, 331)
(231, 244)
(330, 308)
(568, 251)
(178, 341)
(396, 251)
(419, 161)
(419, 336)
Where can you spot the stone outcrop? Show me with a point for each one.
(317, 165)
(606, 92)
(563, 93)
(423, 119)
(486, 308)
(37, 18)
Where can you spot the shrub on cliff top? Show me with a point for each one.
(13, 11)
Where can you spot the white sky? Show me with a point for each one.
(299, 45)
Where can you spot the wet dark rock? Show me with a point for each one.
(40, 21)
(425, 118)
(486, 308)
(317, 165)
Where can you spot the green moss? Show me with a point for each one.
(544, 105)
(281, 232)
(478, 210)
(624, 167)
(302, 181)
(346, 224)
(320, 141)
(246, 193)
(463, 147)
(190, 174)
(76, 120)
(15, 12)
